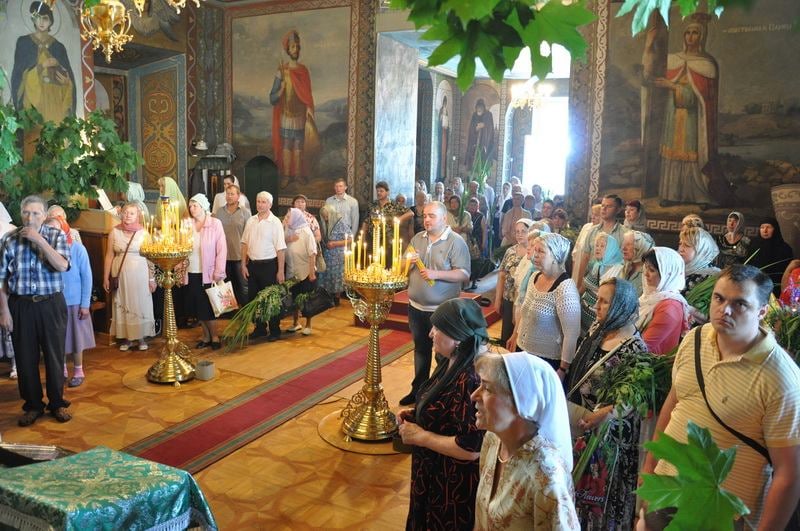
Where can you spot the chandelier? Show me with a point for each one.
(530, 94)
(107, 23)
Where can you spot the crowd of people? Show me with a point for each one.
(492, 435)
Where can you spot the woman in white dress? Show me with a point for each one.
(132, 307)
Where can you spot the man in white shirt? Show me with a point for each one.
(263, 256)
(220, 201)
(345, 205)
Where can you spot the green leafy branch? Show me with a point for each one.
(639, 381)
(264, 306)
(642, 9)
(696, 491)
(496, 31)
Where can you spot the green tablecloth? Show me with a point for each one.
(101, 489)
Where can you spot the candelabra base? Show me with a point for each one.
(367, 416)
(174, 365)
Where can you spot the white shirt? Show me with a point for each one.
(347, 207)
(220, 202)
(263, 237)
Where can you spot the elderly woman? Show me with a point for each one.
(526, 458)
(441, 429)
(334, 241)
(57, 211)
(612, 337)
(634, 245)
(206, 266)
(77, 294)
(577, 251)
(734, 246)
(551, 313)
(510, 218)
(6, 346)
(167, 187)
(698, 250)
(606, 263)
(505, 292)
(301, 254)
(300, 202)
(526, 268)
(132, 306)
(135, 194)
(663, 312)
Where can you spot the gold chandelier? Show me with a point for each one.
(107, 23)
(530, 94)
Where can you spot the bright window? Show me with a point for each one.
(547, 147)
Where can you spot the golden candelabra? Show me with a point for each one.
(371, 287)
(167, 248)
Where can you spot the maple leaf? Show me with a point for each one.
(696, 491)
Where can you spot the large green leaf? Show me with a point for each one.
(696, 491)
(470, 9)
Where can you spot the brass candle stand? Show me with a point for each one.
(176, 363)
(367, 416)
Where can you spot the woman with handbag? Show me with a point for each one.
(206, 265)
(130, 279)
(334, 241)
(301, 255)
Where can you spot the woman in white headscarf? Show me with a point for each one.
(663, 312)
(526, 457)
(698, 250)
(206, 266)
(301, 254)
(634, 245)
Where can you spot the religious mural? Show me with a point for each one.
(480, 118)
(40, 58)
(443, 125)
(290, 76)
(702, 115)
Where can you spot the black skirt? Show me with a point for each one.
(196, 299)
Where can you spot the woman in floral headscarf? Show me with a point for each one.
(734, 246)
(606, 263)
(301, 254)
(663, 312)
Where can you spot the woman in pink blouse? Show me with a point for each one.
(206, 265)
(663, 312)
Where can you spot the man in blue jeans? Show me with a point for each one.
(446, 260)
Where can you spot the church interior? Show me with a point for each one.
(191, 94)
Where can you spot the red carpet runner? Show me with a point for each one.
(199, 441)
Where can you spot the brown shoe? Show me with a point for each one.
(29, 418)
(61, 414)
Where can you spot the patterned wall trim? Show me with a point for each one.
(191, 73)
(211, 87)
(87, 75)
(177, 64)
(671, 225)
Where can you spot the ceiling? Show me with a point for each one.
(521, 70)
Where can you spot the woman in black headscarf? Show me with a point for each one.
(772, 253)
(608, 504)
(441, 429)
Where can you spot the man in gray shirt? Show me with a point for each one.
(233, 217)
(445, 256)
(345, 205)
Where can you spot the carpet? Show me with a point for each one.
(207, 437)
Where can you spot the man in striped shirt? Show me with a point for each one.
(753, 386)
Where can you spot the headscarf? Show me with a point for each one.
(673, 280)
(173, 191)
(773, 254)
(135, 195)
(539, 397)
(612, 256)
(739, 224)
(624, 309)
(202, 201)
(706, 251)
(557, 244)
(5, 217)
(462, 320)
(642, 242)
(333, 218)
(295, 220)
(65, 228)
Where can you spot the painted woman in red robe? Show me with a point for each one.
(689, 141)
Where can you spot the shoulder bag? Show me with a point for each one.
(794, 520)
(113, 280)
